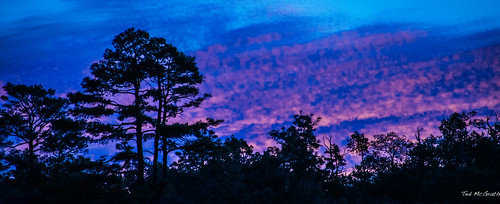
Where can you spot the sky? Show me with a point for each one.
(368, 66)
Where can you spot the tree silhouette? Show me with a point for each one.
(360, 145)
(335, 159)
(491, 124)
(197, 153)
(392, 146)
(117, 87)
(454, 147)
(32, 114)
(174, 78)
(43, 142)
(299, 144)
(298, 150)
(140, 69)
(424, 155)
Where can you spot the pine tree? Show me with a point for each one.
(117, 93)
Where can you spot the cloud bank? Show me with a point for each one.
(369, 82)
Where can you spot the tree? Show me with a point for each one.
(154, 77)
(454, 147)
(174, 78)
(335, 160)
(116, 101)
(299, 144)
(299, 153)
(66, 139)
(392, 146)
(30, 115)
(424, 155)
(217, 168)
(267, 180)
(117, 88)
(359, 145)
(491, 124)
(195, 154)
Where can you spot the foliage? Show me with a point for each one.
(142, 76)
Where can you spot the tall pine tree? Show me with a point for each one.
(118, 88)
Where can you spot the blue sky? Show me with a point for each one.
(372, 66)
(66, 36)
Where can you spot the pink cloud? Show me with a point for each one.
(344, 77)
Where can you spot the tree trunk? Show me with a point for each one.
(165, 158)
(31, 160)
(138, 120)
(164, 150)
(157, 135)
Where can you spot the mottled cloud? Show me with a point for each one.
(348, 62)
(369, 82)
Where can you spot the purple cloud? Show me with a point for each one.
(349, 76)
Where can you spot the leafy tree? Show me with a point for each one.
(424, 155)
(491, 124)
(393, 147)
(454, 146)
(359, 144)
(218, 168)
(266, 178)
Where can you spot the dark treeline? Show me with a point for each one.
(143, 83)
